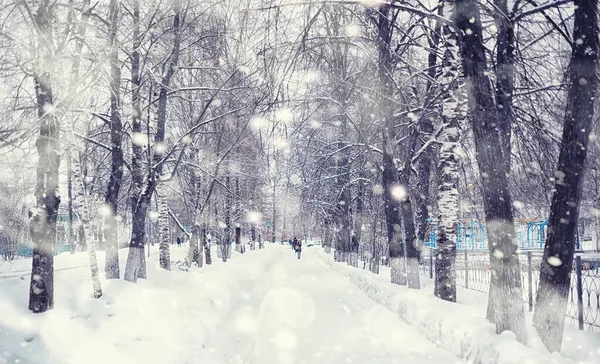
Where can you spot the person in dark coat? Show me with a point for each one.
(178, 241)
(294, 243)
(299, 248)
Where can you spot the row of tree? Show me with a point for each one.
(372, 119)
(413, 96)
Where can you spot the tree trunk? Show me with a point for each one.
(71, 236)
(73, 83)
(358, 220)
(505, 61)
(111, 267)
(327, 237)
(84, 212)
(136, 266)
(375, 252)
(453, 112)
(42, 218)
(496, 195)
(238, 231)
(226, 241)
(393, 222)
(425, 132)
(164, 228)
(342, 212)
(206, 247)
(412, 248)
(390, 172)
(238, 239)
(555, 272)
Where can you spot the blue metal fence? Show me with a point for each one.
(472, 235)
(473, 271)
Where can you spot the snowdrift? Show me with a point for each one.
(451, 326)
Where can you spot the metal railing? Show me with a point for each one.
(473, 271)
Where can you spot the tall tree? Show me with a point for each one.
(497, 199)
(135, 262)
(392, 189)
(453, 113)
(555, 272)
(111, 266)
(42, 218)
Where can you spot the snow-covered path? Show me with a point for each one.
(299, 311)
(263, 307)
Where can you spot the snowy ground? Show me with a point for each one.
(261, 307)
(461, 327)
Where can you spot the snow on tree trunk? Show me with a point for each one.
(42, 218)
(238, 240)
(206, 245)
(555, 272)
(164, 228)
(496, 195)
(194, 252)
(505, 69)
(327, 237)
(111, 267)
(426, 132)
(393, 221)
(226, 240)
(136, 260)
(83, 210)
(390, 183)
(412, 248)
(453, 112)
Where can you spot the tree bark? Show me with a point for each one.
(412, 248)
(111, 266)
(71, 236)
(84, 212)
(42, 218)
(206, 246)
(390, 179)
(509, 314)
(137, 171)
(426, 131)
(226, 241)
(342, 211)
(73, 83)
(164, 228)
(136, 260)
(505, 64)
(453, 113)
(559, 248)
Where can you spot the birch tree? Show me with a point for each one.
(453, 114)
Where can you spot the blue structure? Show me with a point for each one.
(472, 235)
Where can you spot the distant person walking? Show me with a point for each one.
(298, 248)
(178, 241)
(294, 243)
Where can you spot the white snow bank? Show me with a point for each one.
(452, 326)
(166, 319)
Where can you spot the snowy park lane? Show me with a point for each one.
(261, 307)
(302, 312)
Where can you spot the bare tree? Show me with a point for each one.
(497, 199)
(43, 216)
(555, 273)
